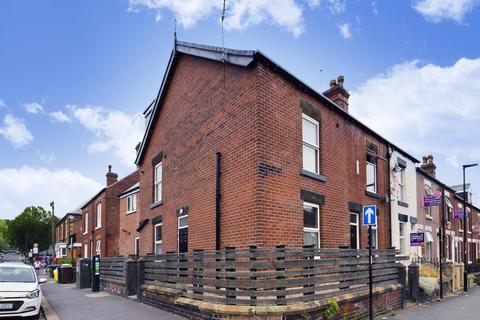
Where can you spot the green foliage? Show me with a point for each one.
(3, 235)
(332, 309)
(33, 225)
(67, 261)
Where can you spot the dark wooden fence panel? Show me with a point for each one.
(266, 277)
(112, 269)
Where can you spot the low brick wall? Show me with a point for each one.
(352, 306)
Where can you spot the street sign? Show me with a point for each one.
(416, 239)
(430, 200)
(370, 215)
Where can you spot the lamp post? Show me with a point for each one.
(52, 205)
(465, 244)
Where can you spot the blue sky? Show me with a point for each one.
(75, 77)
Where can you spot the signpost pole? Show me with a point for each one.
(370, 275)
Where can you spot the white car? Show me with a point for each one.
(20, 292)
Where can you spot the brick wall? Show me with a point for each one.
(128, 226)
(256, 126)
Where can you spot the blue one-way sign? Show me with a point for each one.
(370, 215)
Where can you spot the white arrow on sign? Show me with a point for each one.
(369, 213)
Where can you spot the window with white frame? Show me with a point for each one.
(85, 250)
(428, 210)
(371, 167)
(354, 231)
(460, 221)
(401, 236)
(63, 251)
(85, 223)
(137, 246)
(99, 215)
(401, 185)
(97, 247)
(311, 224)
(428, 245)
(157, 183)
(183, 234)
(132, 203)
(158, 238)
(310, 139)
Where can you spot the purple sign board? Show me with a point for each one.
(458, 214)
(416, 239)
(430, 200)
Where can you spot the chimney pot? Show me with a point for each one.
(337, 93)
(428, 165)
(333, 83)
(340, 81)
(111, 176)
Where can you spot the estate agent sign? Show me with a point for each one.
(416, 239)
(430, 200)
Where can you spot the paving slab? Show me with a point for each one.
(70, 303)
(465, 306)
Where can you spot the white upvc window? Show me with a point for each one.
(311, 224)
(310, 140)
(371, 168)
(85, 223)
(157, 183)
(401, 236)
(158, 238)
(354, 231)
(99, 215)
(98, 247)
(460, 221)
(401, 185)
(137, 246)
(132, 203)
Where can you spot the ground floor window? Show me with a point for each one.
(137, 246)
(183, 234)
(401, 236)
(158, 238)
(85, 250)
(311, 225)
(354, 231)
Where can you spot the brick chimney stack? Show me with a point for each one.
(428, 165)
(337, 93)
(111, 177)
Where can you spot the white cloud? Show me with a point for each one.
(241, 14)
(438, 10)
(345, 31)
(34, 107)
(15, 131)
(47, 158)
(60, 116)
(28, 186)
(2, 104)
(426, 109)
(114, 131)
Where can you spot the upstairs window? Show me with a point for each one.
(449, 209)
(99, 216)
(85, 223)
(97, 247)
(371, 173)
(310, 139)
(132, 203)
(157, 183)
(428, 210)
(401, 185)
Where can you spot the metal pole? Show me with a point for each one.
(465, 276)
(442, 243)
(370, 276)
(52, 204)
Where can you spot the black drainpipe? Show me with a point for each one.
(217, 201)
(389, 192)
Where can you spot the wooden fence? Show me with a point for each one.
(269, 277)
(112, 269)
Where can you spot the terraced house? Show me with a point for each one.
(240, 152)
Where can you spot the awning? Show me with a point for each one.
(428, 237)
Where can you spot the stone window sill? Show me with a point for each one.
(429, 217)
(313, 175)
(373, 195)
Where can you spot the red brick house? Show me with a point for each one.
(129, 214)
(432, 219)
(240, 152)
(101, 217)
(68, 236)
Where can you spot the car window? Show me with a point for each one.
(14, 274)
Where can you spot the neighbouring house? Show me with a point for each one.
(403, 182)
(68, 235)
(101, 217)
(129, 214)
(434, 218)
(240, 152)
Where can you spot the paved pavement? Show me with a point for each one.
(464, 307)
(71, 303)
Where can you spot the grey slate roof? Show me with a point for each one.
(240, 58)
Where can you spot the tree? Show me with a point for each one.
(3, 235)
(33, 225)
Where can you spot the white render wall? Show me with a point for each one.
(410, 198)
